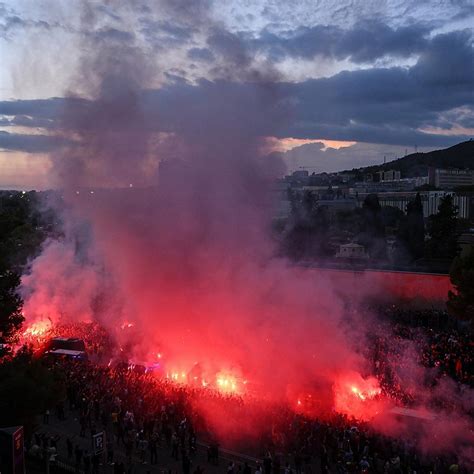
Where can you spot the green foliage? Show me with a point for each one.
(373, 231)
(411, 233)
(391, 216)
(349, 222)
(307, 229)
(23, 227)
(461, 302)
(10, 305)
(27, 389)
(443, 231)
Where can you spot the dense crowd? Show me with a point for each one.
(436, 341)
(143, 414)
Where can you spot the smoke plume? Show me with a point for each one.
(175, 207)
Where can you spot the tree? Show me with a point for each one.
(23, 227)
(411, 235)
(461, 302)
(10, 305)
(391, 216)
(373, 232)
(307, 227)
(348, 222)
(28, 388)
(22, 230)
(443, 231)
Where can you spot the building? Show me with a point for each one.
(352, 251)
(405, 184)
(333, 206)
(389, 175)
(297, 179)
(430, 200)
(450, 178)
(346, 177)
(300, 174)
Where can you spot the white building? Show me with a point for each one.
(352, 251)
(450, 178)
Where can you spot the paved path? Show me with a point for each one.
(70, 428)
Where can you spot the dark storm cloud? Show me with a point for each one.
(201, 54)
(466, 9)
(109, 12)
(30, 143)
(371, 105)
(194, 12)
(449, 61)
(387, 105)
(229, 46)
(25, 121)
(371, 133)
(41, 111)
(113, 34)
(175, 77)
(12, 23)
(160, 34)
(364, 42)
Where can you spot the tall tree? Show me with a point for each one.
(373, 232)
(461, 302)
(411, 235)
(443, 231)
(22, 230)
(28, 388)
(307, 228)
(10, 305)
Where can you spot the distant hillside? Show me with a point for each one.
(416, 164)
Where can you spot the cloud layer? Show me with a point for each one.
(398, 76)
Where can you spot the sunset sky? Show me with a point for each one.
(361, 79)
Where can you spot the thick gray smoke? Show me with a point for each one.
(178, 199)
(180, 224)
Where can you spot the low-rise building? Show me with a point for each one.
(430, 200)
(352, 251)
(389, 175)
(450, 178)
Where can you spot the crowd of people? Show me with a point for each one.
(144, 415)
(436, 340)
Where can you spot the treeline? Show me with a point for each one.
(313, 232)
(28, 387)
(25, 221)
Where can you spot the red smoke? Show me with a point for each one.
(358, 397)
(185, 254)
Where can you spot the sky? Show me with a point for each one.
(357, 79)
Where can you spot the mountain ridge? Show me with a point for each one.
(460, 156)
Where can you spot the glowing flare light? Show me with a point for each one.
(226, 383)
(357, 397)
(37, 332)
